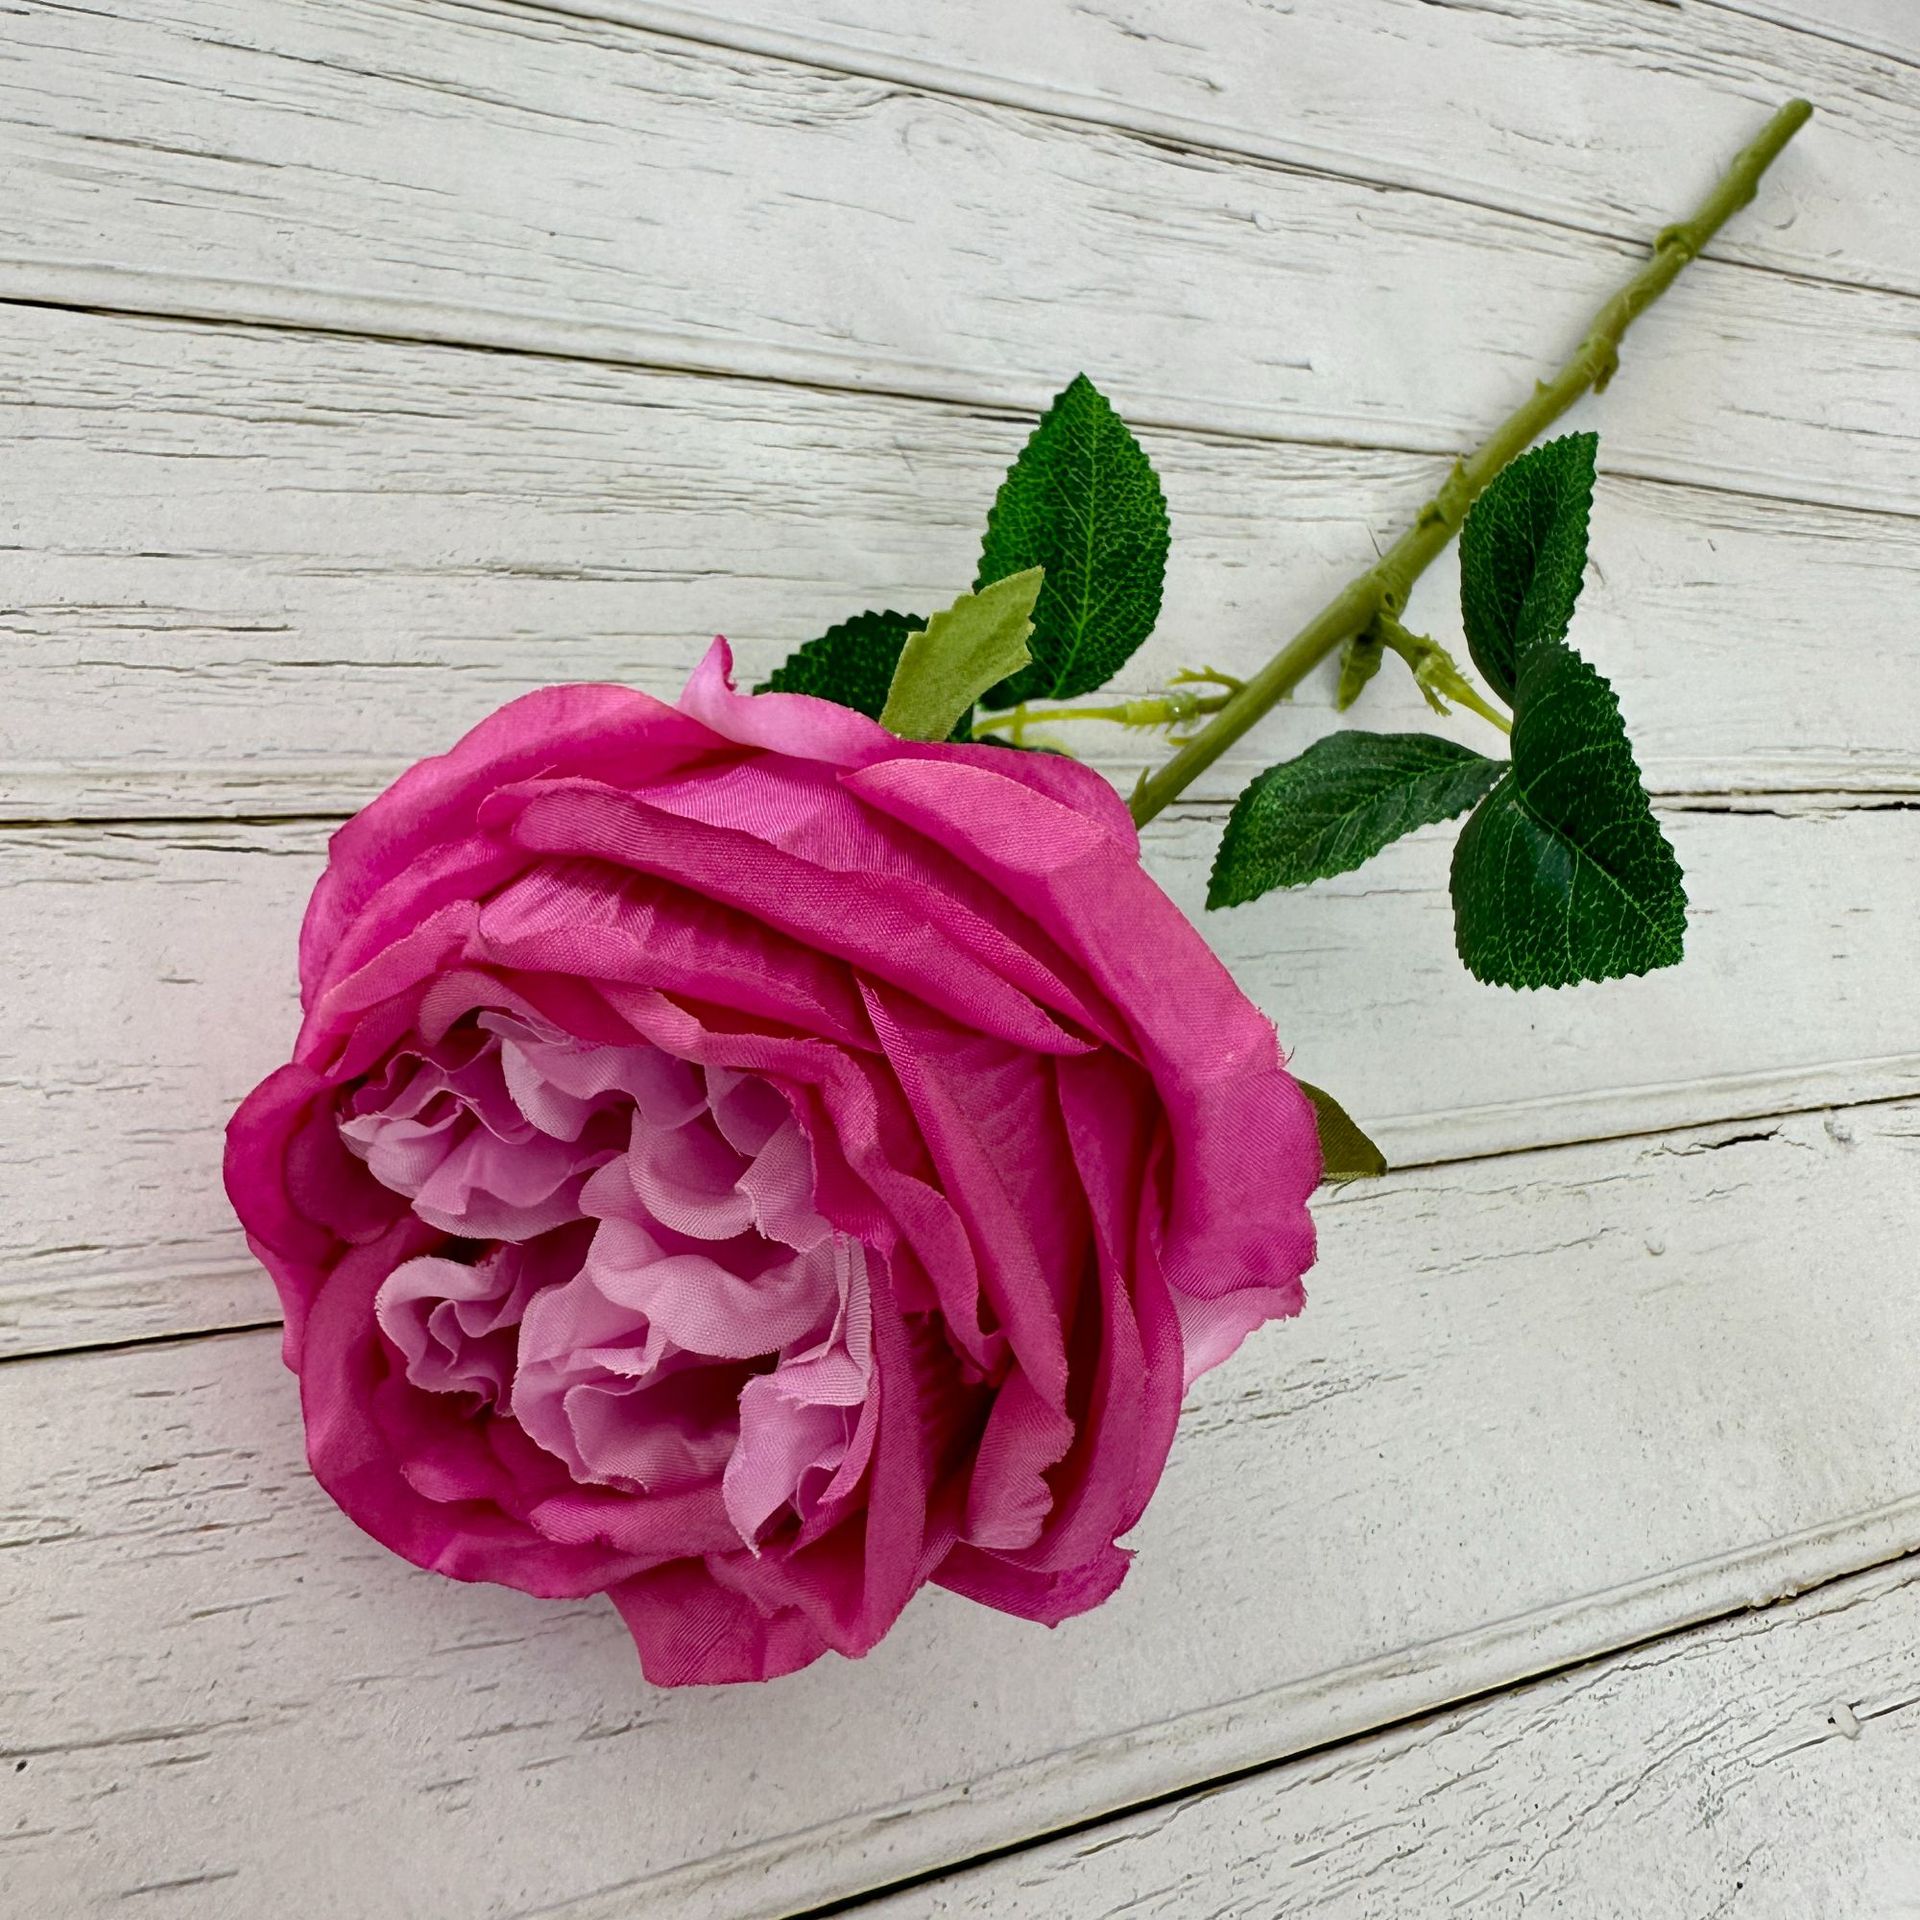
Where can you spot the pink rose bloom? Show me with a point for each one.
(749, 1165)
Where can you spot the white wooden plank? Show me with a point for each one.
(1887, 27)
(253, 572)
(152, 985)
(1565, 109)
(1766, 1766)
(520, 179)
(1539, 1406)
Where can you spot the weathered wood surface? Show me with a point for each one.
(254, 571)
(1541, 1405)
(1327, 87)
(502, 175)
(1766, 1766)
(270, 527)
(152, 971)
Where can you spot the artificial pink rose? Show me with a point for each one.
(750, 1165)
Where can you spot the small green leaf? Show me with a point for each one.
(1083, 502)
(1563, 873)
(852, 663)
(1523, 551)
(965, 648)
(1337, 805)
(1345, 1152)
(1359, 661)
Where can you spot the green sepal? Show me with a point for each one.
(1563, 873)
(1359, 661)
(963, 650)
(1084, 502)
(1337, 805)
(1345, 1152)
(1523, 552)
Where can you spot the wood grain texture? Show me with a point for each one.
(505, 176)
(1888, 27)
(153, 986)
(250, 571)
(1765, 1767)
(1362, 92)
(271, 527)
(1459, 1468)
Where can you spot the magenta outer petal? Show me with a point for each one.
(693, 1632)
(1047, 1598)
(582, 730)
(1241, 1126)
(855, 917)
(257, 1139)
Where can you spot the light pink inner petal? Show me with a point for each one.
(798, 1423)
(455, 1324)
(778, 1187)
(747, 1111)
(717, 1332)
(688, 1179)
(402, 1154)
(442, 1128)
(557, 1082)
(706, 1306)
(493, 1189)
(663, 1434)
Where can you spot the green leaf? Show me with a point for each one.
(1337, 805)
(1523, 551)
(1345, 1152)
(1083, 502)
(1563, 873)
(852, 663)
(964, 649)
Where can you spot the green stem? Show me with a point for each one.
(1384, 587)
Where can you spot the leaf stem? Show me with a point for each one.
(1158, 710)
(1434, 671)
(1385, 586)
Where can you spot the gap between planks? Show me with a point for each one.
(1788, 20)
(1782, 803)
(391, 320)
(220, 524)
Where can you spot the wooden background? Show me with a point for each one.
(364, 363)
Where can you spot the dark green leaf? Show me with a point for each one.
(1563, 874)
(1522, 553)
(965, 648)
(1083, 502)
(1345, 1152)
(1337, 805)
